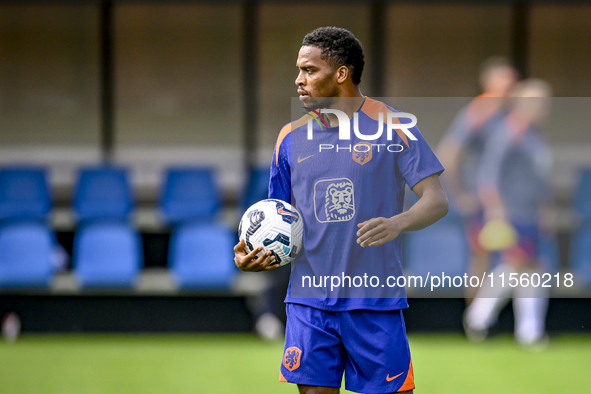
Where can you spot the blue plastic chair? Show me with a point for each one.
(440, 248)
(107, 254)
(24, 193)
(580, 254)
(103, 192)
(582, 201)
(189, 194)
(257, 187)
(201, 257)
(25, 254)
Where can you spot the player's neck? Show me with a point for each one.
(349, 102)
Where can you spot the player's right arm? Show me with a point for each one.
(279, 188)
(280, 179)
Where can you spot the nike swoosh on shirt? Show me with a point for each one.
(389, 379)
(300, 159)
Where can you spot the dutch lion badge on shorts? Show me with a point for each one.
(334, 200)
(292, 358)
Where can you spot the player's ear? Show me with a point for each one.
(342, 74)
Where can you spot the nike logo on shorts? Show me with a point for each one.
(389, 379)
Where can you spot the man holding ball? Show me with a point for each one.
(351, 200)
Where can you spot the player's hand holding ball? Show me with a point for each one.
(249, 262)
(270, 235)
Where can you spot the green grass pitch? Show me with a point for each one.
(217, 363)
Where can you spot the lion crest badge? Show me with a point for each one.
(291, 358)
(334, 200)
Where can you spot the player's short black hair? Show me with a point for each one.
(339, 47)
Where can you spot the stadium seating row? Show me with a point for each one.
(107, 249)
(108, 253)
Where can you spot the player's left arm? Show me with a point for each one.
(431, 207)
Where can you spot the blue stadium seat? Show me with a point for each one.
(580, 254)
(24, 193)
(257, 187)
(107, 254)
(440, 248)
(103, 192)
(200, 256)
(582, 201)
(189, 194)
(25, 254)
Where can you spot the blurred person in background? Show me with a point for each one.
(513, 188)
(461, 150)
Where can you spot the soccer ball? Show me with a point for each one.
(276, 226)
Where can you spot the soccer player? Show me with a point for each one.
(513, 187)
(351, 198)
(461, 149)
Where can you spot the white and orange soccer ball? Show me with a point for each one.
(276, 226)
